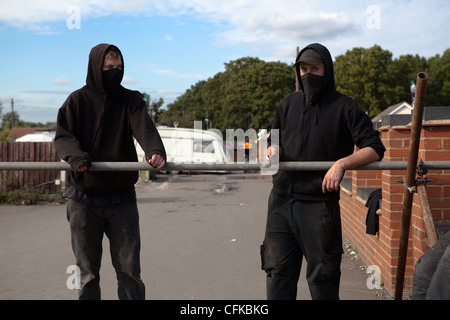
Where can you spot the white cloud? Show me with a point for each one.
(167, 92)
(61, 81)
(155, 69)
(240, 17)
(35, 106)
(194, 76)
(267, 24)
(129, 80)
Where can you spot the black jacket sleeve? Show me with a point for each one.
(144, 130)
(66, 144)
(363, 133)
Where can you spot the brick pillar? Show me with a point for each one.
(382, 249)
(397, 141)
(434, 146)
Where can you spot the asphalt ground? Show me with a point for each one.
(200, 238)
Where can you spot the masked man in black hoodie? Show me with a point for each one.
(98, 123)
(317, 123)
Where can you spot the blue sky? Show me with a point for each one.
(170, 45)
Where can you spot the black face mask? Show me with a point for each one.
(112, 79)
(312, 86)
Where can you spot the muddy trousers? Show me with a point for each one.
(431, 279)
(297, 229)
(120, 223)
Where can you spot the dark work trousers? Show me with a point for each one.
(297, 229)
(120, 223)
(431, 280)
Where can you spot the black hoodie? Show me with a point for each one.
(325, 131)
(95, 127)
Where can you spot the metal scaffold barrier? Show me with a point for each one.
(286, 166)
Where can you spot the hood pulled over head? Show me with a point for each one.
(96, 79)
(314, 54)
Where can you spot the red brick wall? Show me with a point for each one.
(382, 249)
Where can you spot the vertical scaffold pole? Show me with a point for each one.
(419, 104)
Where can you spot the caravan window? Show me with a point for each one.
(204, 146)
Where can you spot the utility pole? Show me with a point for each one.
(12, 113)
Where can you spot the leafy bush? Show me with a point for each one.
(26, 196)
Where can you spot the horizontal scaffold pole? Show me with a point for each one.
(172, 166)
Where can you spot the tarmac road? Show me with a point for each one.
(200, 241)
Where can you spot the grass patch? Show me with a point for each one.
(25, 196)
(29, 196)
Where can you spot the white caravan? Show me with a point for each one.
(190, 146)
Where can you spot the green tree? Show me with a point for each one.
(405, 70)
(247, 93)
(438, 84)
(244, 96)
(9, 118)
(183, 109)
(367, 76)
(153, 106)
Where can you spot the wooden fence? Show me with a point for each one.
(44, 180)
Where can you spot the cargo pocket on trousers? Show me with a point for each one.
(261, 252)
